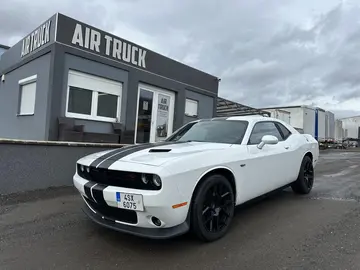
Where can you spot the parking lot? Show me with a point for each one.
(47, 230)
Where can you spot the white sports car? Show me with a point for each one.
(194, 179)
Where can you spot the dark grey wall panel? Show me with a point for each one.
(205, 106)
(30, 167)
(25, 127)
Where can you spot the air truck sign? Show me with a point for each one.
(36, 39)
(101, 43)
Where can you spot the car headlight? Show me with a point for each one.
(151, 179)
(156, 180)
(144, 178)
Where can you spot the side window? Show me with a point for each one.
(283, 130)
(261, 129)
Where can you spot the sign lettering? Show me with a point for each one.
(36, 39)
(120, 50)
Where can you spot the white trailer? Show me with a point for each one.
(339, 131)
(321, 123)
(329, 125)
(306, 119)
(280, 114)
(351, 126)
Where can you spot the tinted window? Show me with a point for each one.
(284, 131)
(80, 100)
(261, 129)
(217, 131)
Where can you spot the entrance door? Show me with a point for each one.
(155, 114)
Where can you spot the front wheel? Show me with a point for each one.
(305, 180)
(212, 208)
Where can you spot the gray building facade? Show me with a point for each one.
(70, 81)
(3, 49)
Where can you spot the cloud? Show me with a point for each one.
(267, 52)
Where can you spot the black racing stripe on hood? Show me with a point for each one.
(97, 161)
(108, 162)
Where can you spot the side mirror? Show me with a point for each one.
(267, 139)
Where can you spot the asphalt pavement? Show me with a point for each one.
(47, 230)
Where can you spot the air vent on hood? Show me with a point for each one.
(159, 150)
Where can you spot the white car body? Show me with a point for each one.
(255, 171)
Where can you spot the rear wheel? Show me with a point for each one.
(305, 180)
(212, 208)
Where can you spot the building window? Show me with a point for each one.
(191, 108)
(27, 96)
(93, 98)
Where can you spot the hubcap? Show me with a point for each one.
(309, 174)
(217, 208)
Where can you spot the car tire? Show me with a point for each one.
(211, 211)
(305, 181)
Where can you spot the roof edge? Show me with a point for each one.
(4, 47)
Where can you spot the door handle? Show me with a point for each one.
(287, 147)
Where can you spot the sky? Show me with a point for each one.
(266, 52)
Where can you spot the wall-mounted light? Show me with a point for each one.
(3, 78)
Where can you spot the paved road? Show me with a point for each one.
(284, 231)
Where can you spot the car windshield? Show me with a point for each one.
(216, 131)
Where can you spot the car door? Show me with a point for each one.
(266, 165)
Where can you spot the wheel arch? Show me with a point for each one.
(222, 170)
(309, 154)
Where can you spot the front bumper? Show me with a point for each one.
(152, 233)
(174, 221)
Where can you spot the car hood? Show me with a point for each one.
(158, 154)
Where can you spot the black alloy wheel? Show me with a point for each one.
(308, 174)
(305, 181)
(213, 208)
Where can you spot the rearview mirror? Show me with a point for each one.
(267, 139)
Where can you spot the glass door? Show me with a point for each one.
(155, 115)
(144, 116)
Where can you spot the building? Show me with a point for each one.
(70, 81)
(3, 49)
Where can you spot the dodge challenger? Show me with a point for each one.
(192, 181)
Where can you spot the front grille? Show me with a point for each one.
(116, 178)
(114, 213)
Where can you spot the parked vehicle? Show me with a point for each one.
(194, 179)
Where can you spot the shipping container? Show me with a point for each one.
(351, 126)
(280, 114)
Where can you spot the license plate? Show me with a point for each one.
(129, 201)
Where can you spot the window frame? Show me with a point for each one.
(278, 124)
(266, 121)
(23, 82)
(191, 100)
(94, 99)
